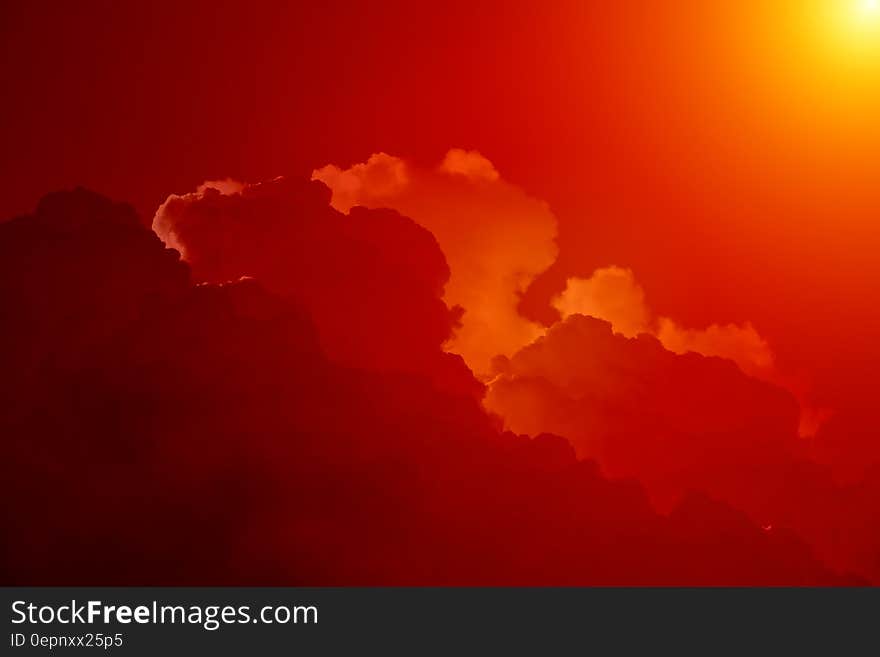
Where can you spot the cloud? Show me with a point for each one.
(741, 344)
(372, 281)
(614, 295)
(381, 178)
(652, 409)
(237, 452)
(609, 394)
(470, 164)
(227, 186)
(497, 240)
(495, 237)
(685, 422)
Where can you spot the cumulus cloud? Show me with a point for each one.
(496, 238)
(212, 412)
(614, 295)
(684, 422)
(226, 186)
(608, 393)
(470, 164)
(375, 282)
(372, 281)
(741, 344)
(381, 178)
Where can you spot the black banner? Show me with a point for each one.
(316, 621)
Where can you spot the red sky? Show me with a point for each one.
(726, 153)
(718, 151)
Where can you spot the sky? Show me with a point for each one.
(725, 153)
(704, 174)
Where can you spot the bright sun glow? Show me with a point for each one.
(868, 17)
(855, 29)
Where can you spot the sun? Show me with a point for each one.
(867, 18)
(858, 29)
(856, 22)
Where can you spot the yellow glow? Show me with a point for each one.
(867, 12)
(852, 29)
(865, 32)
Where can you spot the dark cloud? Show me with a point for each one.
(680, 423)
(160, 431)
(372, 281)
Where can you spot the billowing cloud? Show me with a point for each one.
(608, 393)
(495, 237)
(614, 295)
(666, 407)
(372, 281)
(741, 344)
(164, 220)
(470, 164)
(237, 452)
(497, 240)
(381, 179)
(685, 422)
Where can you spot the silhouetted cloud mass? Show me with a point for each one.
(280, 410)
(371, 281)
(685, 422)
